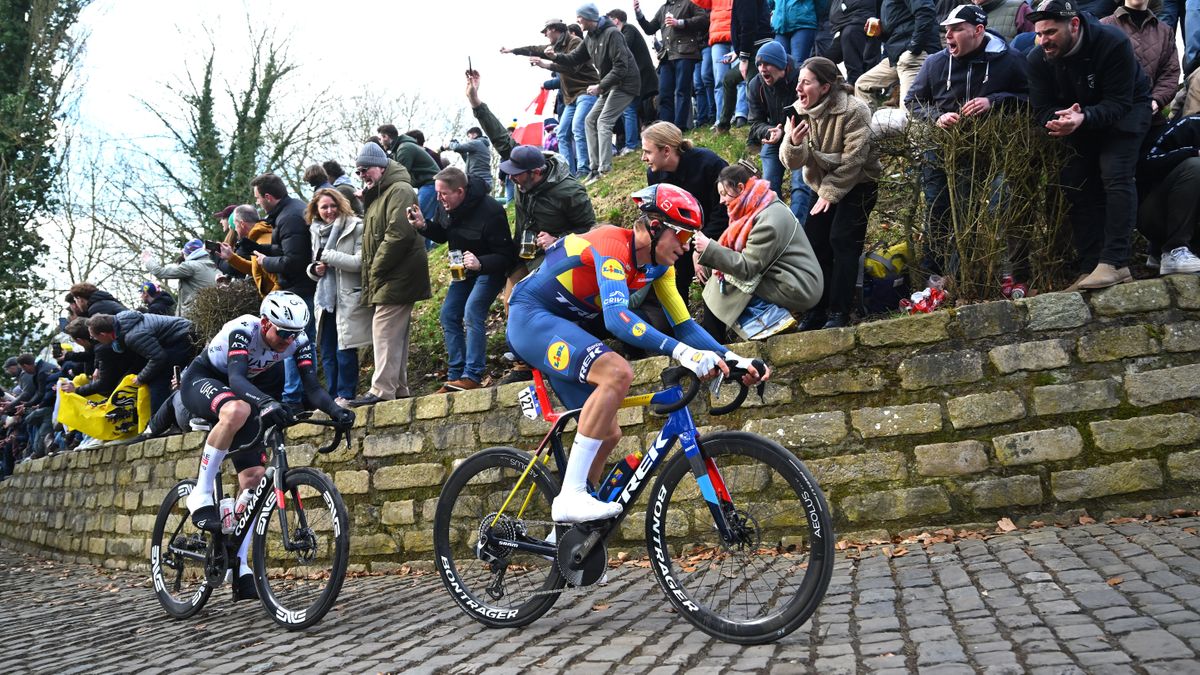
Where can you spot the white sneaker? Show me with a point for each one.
(342, 402)
(1152, 260)
(1180, 260)
(198, 424)
(580, 507)
(89, 444)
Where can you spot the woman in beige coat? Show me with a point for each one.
(763, 255)
(343, 323)
(830, 138)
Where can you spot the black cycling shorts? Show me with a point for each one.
(203, 391)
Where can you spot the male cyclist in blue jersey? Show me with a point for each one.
(585, 275)
(236, 384)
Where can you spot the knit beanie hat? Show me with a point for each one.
(192, 246)
(772, 54)
(371, 155)
(588, 12)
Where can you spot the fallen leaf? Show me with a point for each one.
(1115, 581)
(622, 556)
(1087, 520)
(1005, 525)
(1036, 524)
(599, 607)
(1180, 513)
(842, 545)
(1190, 530)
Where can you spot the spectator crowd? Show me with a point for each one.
(813, 86)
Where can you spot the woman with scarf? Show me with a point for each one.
(343, 324)
(829, 136)
(761, 263)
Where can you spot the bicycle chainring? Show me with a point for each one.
(589, 570)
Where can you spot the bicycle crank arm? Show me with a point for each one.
(585, 548)
(190, 555)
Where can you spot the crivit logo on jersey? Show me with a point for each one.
(612, 269)
(615, 298)
(558, 355)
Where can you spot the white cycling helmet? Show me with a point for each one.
(285, 309)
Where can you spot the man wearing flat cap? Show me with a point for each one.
(574, 81)
(1087, 88)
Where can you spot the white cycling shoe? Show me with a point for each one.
(204, 512)
(580, 507)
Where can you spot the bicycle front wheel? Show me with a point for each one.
(771, 578)
(497, 586)
(301, 549)
(177, 555)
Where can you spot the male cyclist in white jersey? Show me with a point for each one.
(236, 383)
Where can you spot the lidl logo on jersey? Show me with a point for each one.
(613, 269)
(558, 355)
(639, 329)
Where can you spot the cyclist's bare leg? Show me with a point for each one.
(230, 419)
(598, 433)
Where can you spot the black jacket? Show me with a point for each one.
(606, 47)
(1103, 77)
(852, 13)
(697, 173)
(163, 303)
(909, 26)
(1180, 141)
(147, 335)
(478, 225)
(291, 248)
(75, 363)
(111, 366)
(993, 71)
(103, 303)
(641, 56)
(750, 26)
(767, 103)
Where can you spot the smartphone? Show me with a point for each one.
(176, 369)
(796, 117)
(212, 246)
(470, 68)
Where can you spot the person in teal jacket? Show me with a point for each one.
(795, 23)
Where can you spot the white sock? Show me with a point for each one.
(210, 469)
(579, 463)
(243, 556)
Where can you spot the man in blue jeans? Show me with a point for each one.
(685, 34)
(474, 223)
(771, 94)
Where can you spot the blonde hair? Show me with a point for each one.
(665, 134)
(311, 213)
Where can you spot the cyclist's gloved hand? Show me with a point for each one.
(750, 365)
(343, 416)
(275, 414)
(700, 362)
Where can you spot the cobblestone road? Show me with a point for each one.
(1104, 598)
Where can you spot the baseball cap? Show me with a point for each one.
(523, 158)
(1054, 9)
(972, 14)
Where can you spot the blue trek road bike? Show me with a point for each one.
(739, 534)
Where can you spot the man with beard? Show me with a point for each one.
(1087, 88)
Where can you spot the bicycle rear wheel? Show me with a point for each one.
(769, 582)
(498, 587)
(298, 586)
(177, 554)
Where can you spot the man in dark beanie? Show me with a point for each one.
(395, 269)
(770, 94)
(1087, 88)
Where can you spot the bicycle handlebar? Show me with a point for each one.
(673, 377)
(340, 431)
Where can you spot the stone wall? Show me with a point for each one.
(1050, 405)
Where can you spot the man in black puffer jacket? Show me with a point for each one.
(87, 300)
(476, 225)
(164, 341)
(1087, 88)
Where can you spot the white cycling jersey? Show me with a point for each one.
(244, 335)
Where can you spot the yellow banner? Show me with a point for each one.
(123, 414)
